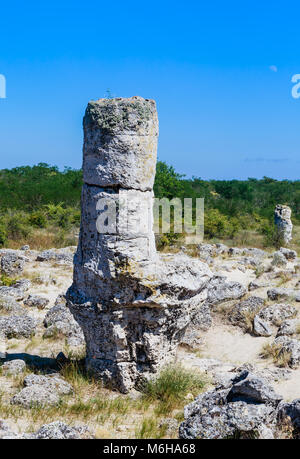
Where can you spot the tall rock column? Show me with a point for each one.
(283, 222)
(132, 303)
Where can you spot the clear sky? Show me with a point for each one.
(219, 71)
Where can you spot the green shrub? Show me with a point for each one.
(172, 385)
(272, 237)
(3, 235)
(38, 219)
(17, 227)
(218, 225)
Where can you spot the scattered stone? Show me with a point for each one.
(21, 326)
(61, 256)
(36, 301)
(25, 247)
(277, 313)
(191, 338)
(251, 262)
(35, 395)
(59, 430)
(235, 251)
(276, 294)
(279, 259)
(283, 222)
(53, 382)
(5, 431)
(219, 290)
(206, 251)
(253, 285)
(221, 249)
(246, 409)
(289, 348)
(289, 414)
(202, 320)
(8, 305)
(288, 327)
(60, 321)
(289, 254)
(12, 265)
(260, 327)
(17, 290)
(256, 253)
(242, 310)
(13, 367)
(252, 389)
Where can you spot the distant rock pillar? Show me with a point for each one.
(283, 222)
(132, 304)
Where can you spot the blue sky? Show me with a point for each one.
(219, 71)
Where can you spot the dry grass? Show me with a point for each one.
(42, 239)
(106, 411)
(274, 351)
(284, 278)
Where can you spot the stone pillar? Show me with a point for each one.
(132, 304)
(283, 222)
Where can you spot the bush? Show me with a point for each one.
(38, 219)
(17, 227)
(218, 225)
(3, 235)
(272, 237)
(172, 385)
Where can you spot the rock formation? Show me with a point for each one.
(283, 222)
(132, 303)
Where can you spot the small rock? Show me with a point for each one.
(60, 321)
(289, 254)
(59, 430)
(255, 285)
(243, 309)
(52, 382)
(36, 301)
(288, 327)
(8, 305)
(35, 395)
(219, 290)
(18, 326)
(25, 247)
(13, 367)
(277, 313)
(260, 327)
(290, 413)
(12, 265)
(289, 347)
(279, 259)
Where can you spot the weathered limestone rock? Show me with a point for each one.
(120, 143)
(283, 222)
(133, 304)
(245, 409)
(12, 264)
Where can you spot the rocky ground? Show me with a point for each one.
(244, 339)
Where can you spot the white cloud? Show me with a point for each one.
(273, 68)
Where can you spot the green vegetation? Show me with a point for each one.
(171, 387)
(40, 205)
